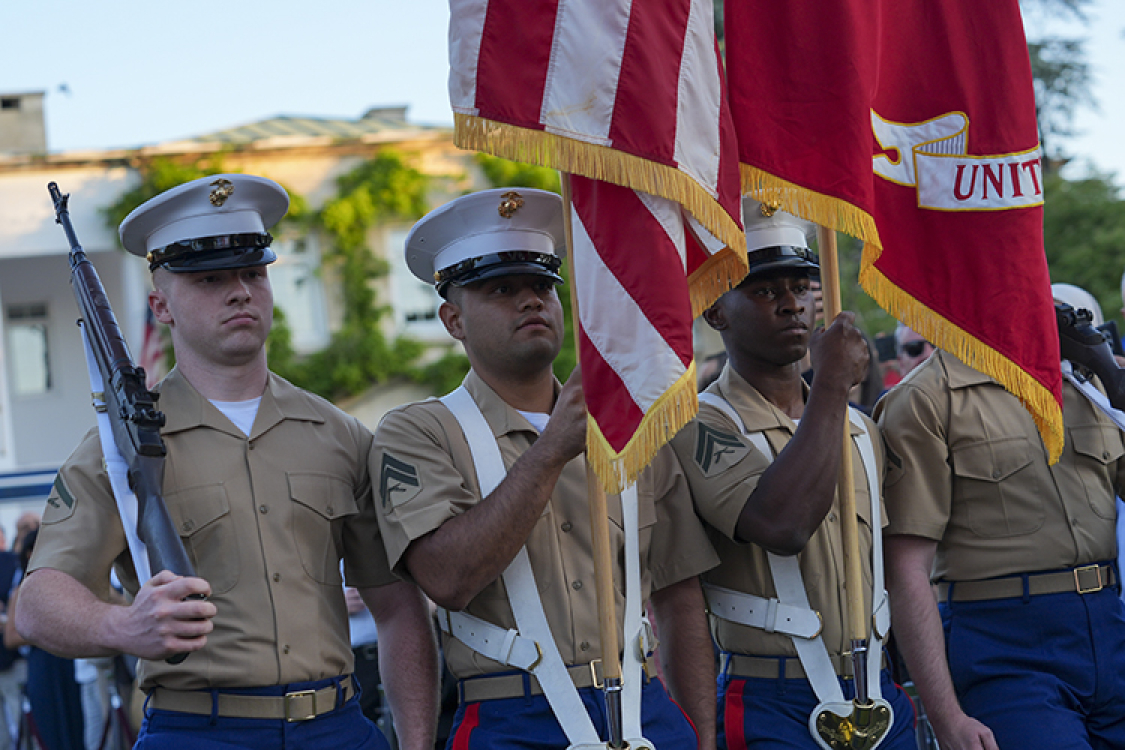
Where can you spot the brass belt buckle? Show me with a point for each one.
(1085, 569)
(300, 694)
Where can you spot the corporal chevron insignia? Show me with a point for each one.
(398, 481)
(717, 451)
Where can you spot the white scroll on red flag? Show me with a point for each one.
(910, 124)
(626, 97)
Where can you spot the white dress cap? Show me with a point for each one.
(487, 227)
(230, 211)
(1079, 299)
(776, 239)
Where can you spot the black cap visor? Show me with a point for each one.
(510, 263)
(782, 257)
(215, 253)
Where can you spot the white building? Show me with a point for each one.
(44, 391)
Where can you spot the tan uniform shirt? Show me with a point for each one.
(723, 468)
(265, 520)
(427, 477)
(969, 471)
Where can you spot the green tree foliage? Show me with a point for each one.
(1084, 234)
(359, 354)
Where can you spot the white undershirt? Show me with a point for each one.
(538, 419)
(240, 413)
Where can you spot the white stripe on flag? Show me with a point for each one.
(631, 346)
(586, 54)
(466, 27)
(698, 101)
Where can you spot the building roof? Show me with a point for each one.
(375, 124)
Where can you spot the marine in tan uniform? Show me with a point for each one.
(269, 489)
(763, 460)
(494, 257)
(1033, 654)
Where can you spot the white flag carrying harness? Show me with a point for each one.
(790, 613)
(532, 647)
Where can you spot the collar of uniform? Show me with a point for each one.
(960, 375)
(281, 400)
(753, 406)
(501, 417)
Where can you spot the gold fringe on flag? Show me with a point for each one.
(818, 208)
(599, 163)
(721, 272)
(674, 409)
(1036, 398)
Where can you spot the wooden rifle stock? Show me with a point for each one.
(131, 408)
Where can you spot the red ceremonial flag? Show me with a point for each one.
(628, 98)
(910, 124)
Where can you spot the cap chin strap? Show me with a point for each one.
(531, 620)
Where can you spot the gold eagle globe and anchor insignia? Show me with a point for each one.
(510, 202)
(768, 209)
(223, 189)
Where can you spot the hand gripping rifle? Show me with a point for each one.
(131, 408)
(1087, 346)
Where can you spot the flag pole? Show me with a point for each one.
(599, 526)
(853, 570)
(866, 727)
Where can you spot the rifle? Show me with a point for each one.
(1089, 347)
(131, 408)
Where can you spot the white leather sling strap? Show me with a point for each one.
(1096, 397)
(500, 644)
(791, 613)
(116, 469)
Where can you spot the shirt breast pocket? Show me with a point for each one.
(1097, 446)
(202, 518)
(321, 503)
(996, 487)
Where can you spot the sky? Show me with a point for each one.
(123, 73)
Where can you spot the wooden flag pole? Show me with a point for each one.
(599, 526)
(849, 526)
(866, 725)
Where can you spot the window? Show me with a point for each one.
(299, 291)
(415, 302)
(9, 102)
(27, 349)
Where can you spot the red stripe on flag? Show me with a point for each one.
(644, 114)
(511, 76)
(640, 255)
(607, 398)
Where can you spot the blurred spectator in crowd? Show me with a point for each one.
(56, 701)
(864, 395)
(25, 524)
(912, 349)
(13, 669)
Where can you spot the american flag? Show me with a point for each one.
(628, 99)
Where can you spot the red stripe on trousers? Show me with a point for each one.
(465, 730)
(734, 717)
